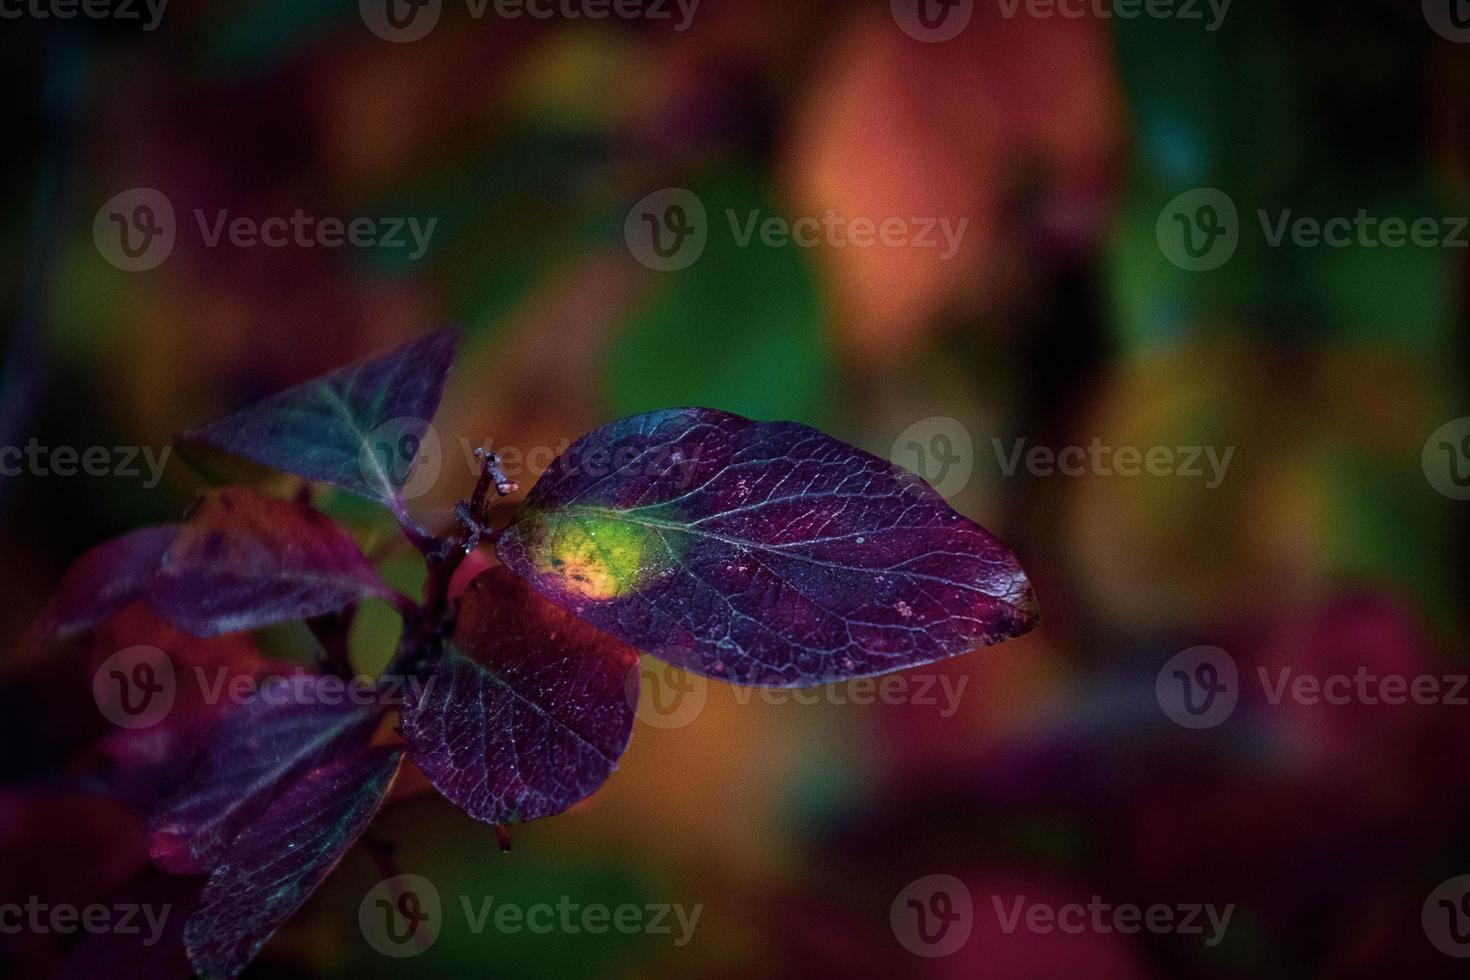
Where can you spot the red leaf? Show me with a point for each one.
(245, 560)
(105, 579)
(527, 712)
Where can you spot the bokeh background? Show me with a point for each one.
(1327, 547)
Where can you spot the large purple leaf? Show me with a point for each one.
(761, 553)
(273, 867)
(527, 712)
(251, 757)
(245, 560)
(105, 579)
(357, 427)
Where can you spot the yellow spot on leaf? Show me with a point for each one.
(591, 556)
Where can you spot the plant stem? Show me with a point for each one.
(426, 626)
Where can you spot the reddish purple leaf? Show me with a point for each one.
(761, 553)
(528, 710)
(273, 867)
(105, 579)
(143, 763)
(254, 754)
(357, 427)
(245, 560)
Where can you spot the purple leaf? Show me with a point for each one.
(273, 867)
(357, 427)
(245, 560)
(105, 579)
(761, 553)
(256, 751)
(527, 712)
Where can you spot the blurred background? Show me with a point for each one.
(1052, 257)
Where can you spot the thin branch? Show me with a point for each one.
(422, 540)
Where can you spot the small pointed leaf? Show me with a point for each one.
(357, 427)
